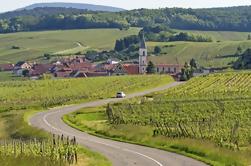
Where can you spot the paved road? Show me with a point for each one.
(121, 154)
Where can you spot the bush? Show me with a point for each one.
(15, 47)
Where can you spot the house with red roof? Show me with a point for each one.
(6, 67)
(168, 68)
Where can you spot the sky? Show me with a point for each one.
(132, 4)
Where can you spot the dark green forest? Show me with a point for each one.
(216, 19)
(244, 60)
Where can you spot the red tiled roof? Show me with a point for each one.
(62, 73)
(39, 69)
(96, 74)
(80, 66)
(169, 65)
(7, 67)
(109, 66)
(131, 68)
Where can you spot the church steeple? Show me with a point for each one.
(142, 54)
(142, 41)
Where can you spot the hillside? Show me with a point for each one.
(33, 45)
(214, 19)
(211, 54)
(83, 6)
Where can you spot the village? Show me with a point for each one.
(80, 67)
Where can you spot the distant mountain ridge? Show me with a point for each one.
(84, 6)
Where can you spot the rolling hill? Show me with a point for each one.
(33, 45)
(84, 6)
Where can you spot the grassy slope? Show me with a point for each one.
(35, 44)
(94, 120)
(207, 54)
(221, 35)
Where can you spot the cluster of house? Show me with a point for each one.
(80, 67)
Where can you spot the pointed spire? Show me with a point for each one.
(142, 40)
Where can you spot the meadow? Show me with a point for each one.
(33, 45)
(220, 35)
(207, 118)
(208, 54)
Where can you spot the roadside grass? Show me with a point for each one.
(94, 121)
(208, 54)
(34, 45)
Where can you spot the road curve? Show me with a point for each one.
(119, 153)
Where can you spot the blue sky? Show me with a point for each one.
(132, 4)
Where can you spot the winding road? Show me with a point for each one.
(119, 153)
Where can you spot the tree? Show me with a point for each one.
(239, 51)
(157, 50)
(120, 45)
(193, 64)
(183, 75)
(249, 37)
(47, 56)
(151, 69)
(188, 70)
(25, 73)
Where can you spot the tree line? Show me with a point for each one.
(230, 19)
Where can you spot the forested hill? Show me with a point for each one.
(227, 19)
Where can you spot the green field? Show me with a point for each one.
(220, 35)
(208, 54)
(49, 93)
(208, 118)
(218, 53)
(34, 44)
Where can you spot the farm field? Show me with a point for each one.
(208, 54)
(33, 45)
(18, 95)
(39, 95)
(207, 118)
(220, 35)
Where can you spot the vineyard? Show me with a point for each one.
(216, 107)
(18, 95)
(57, 151)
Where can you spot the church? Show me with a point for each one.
(160, 68)
(141, 67)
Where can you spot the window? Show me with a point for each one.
(157, 69)
(169, 70)
(144, 53)
(175, 70)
